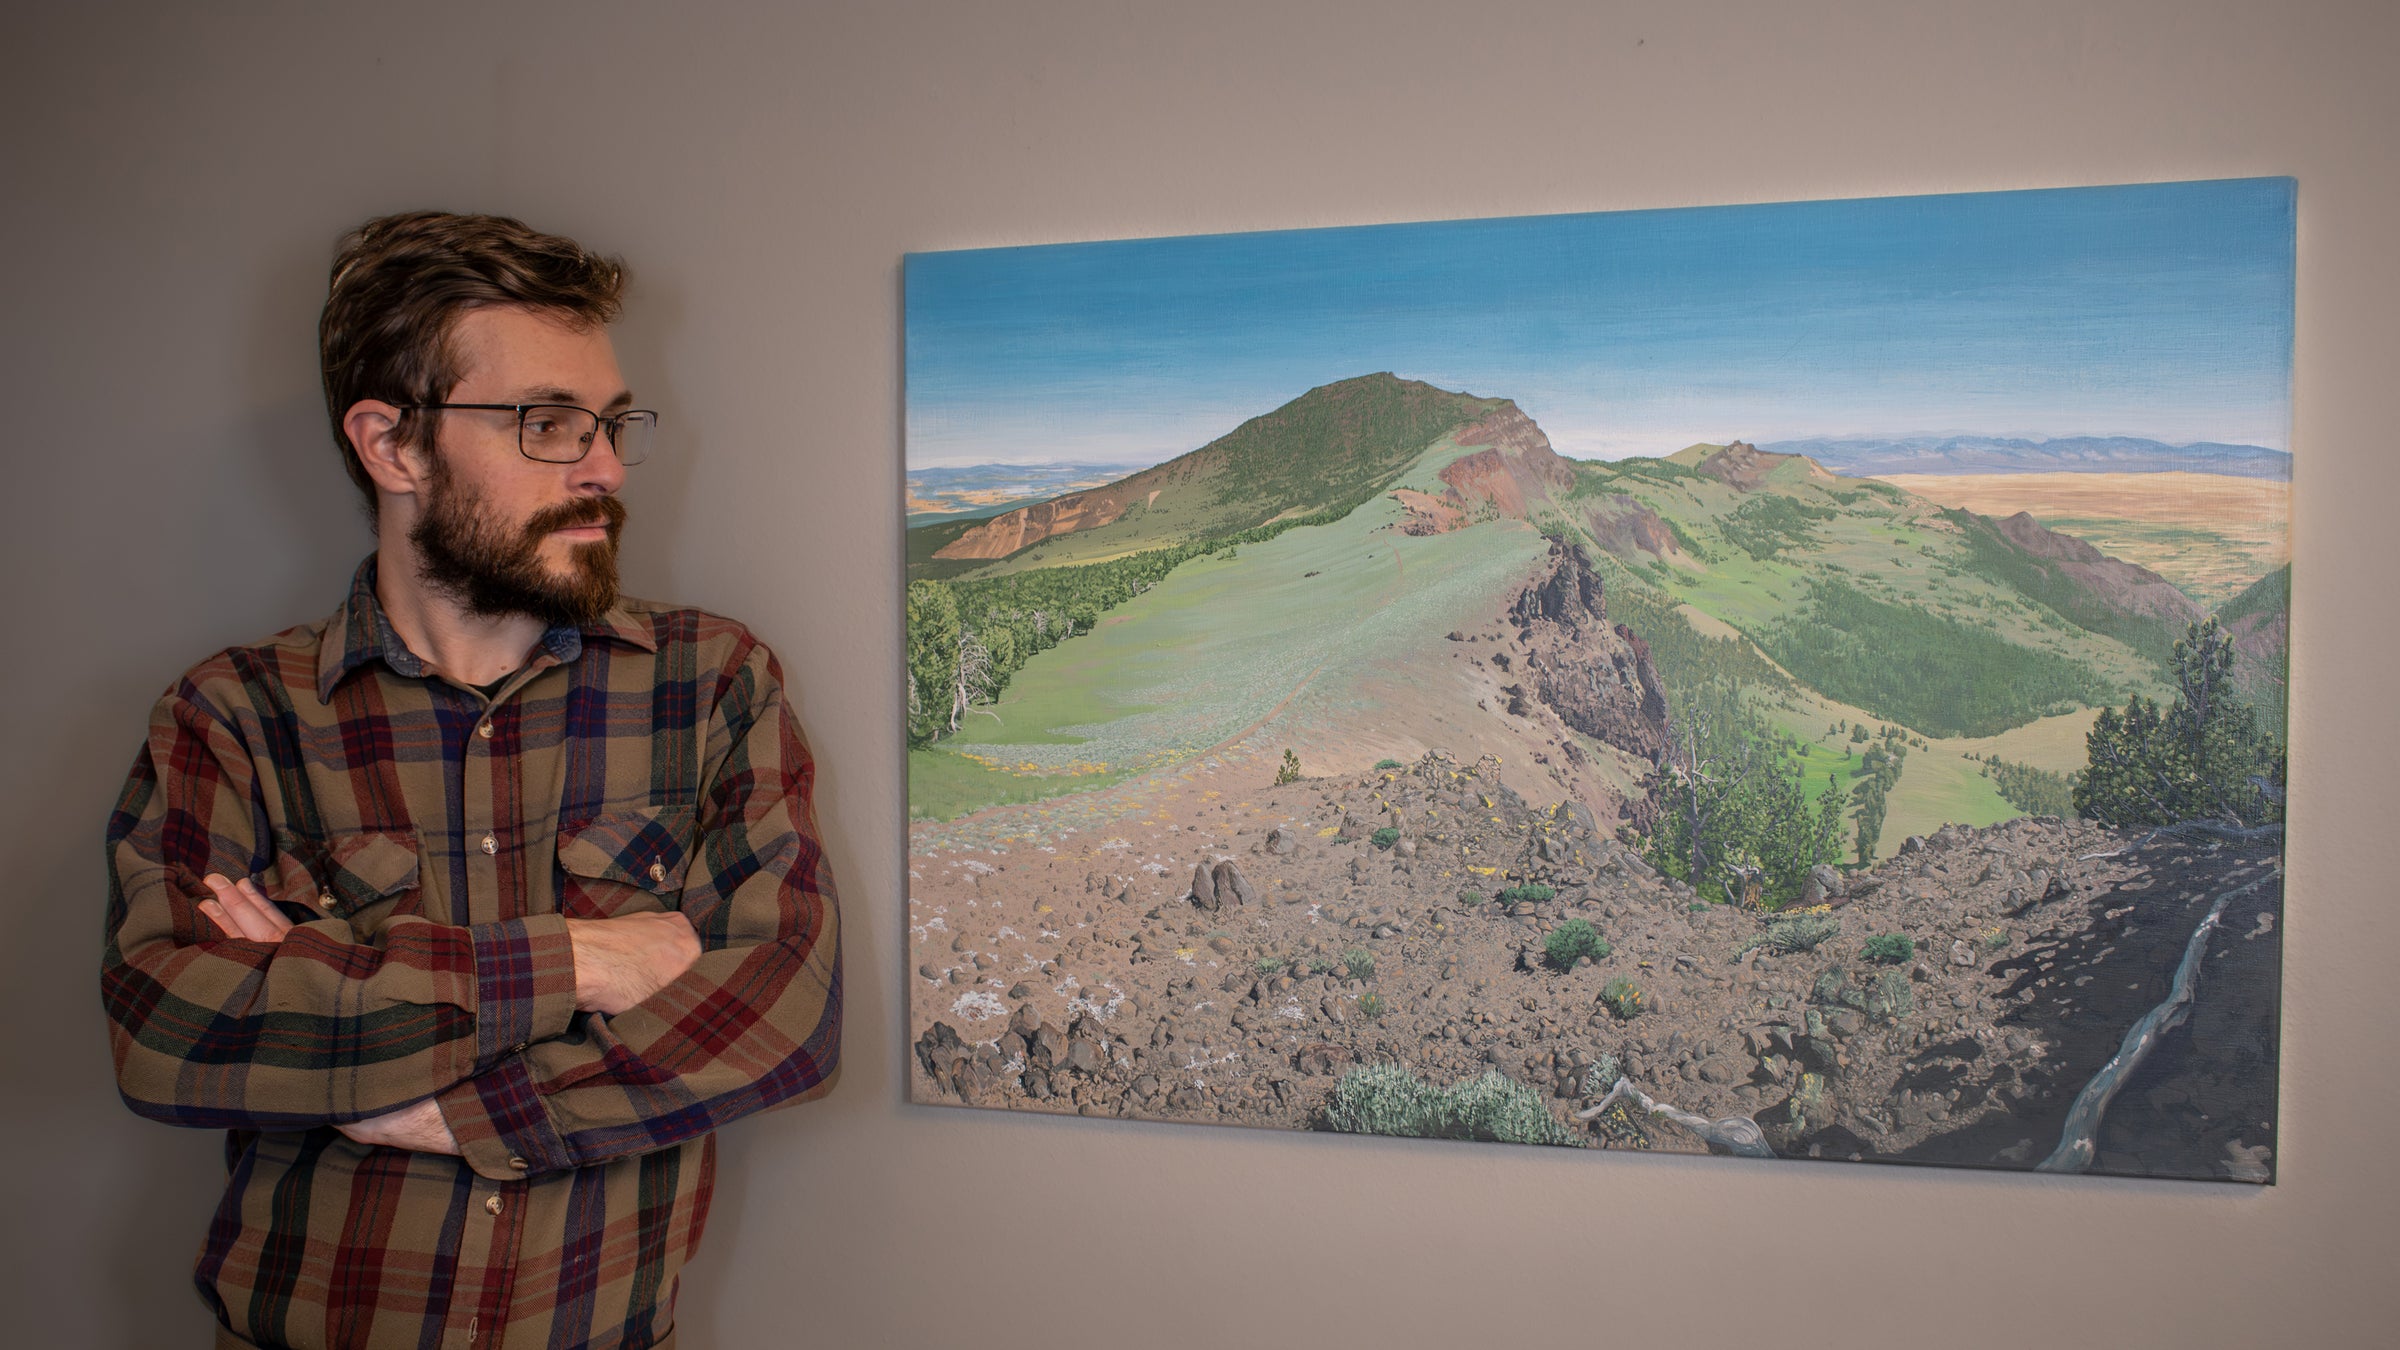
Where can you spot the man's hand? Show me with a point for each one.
(242, 910)
(621, 961)
(419, 1129)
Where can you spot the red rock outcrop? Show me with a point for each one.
(1744, 466)
(1516, 473)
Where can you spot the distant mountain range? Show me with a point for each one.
(2075, 454)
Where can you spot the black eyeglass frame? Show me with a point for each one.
(615, 422)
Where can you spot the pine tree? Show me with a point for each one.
(2200, 758)
(932, 658)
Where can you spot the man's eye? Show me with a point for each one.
(542, 426)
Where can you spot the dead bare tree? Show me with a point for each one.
(1738, 1136)
(972, 680)
(1707, 788)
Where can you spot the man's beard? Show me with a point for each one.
(495, 572)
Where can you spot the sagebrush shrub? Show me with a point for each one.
(1572, 939)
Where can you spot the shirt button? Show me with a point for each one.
(491, 843)
(493, 1204)
(326, 901)
(484, 729)
(658, 871)
(518, 1048)
(516, 1164)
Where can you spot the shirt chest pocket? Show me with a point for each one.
(368, 877)
(624, 862)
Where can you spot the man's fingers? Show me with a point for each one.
(230, 911)
(243, 910)
(250, 907)
(264, 909)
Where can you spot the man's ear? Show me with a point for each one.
(396, 464)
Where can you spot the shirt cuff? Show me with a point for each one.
(502, 1125)
(524, 984)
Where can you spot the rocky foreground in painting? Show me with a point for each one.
(1947, 1006)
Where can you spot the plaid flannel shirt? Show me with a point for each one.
(431, 843)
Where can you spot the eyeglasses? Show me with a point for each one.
(561, 433)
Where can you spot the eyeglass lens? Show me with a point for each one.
(561, 435)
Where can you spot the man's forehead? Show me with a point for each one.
(519, 355)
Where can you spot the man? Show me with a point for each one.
(471, 911)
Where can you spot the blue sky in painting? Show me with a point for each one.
(2161, 311)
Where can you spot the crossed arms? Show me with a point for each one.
(524, 1045)
(618, 962)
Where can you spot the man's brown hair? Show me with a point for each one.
(401, 283)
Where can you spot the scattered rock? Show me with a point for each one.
(1324, 1058)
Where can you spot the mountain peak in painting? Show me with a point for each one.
(1327, 450)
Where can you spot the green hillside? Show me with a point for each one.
(2259, 618)
(2270, 595)
(1320, 455)
(1876, 599)
(1218, 644)
(2040, 579)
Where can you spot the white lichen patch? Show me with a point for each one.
(1086, 1002)
(977, 1006)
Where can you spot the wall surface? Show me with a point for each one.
(176, 174)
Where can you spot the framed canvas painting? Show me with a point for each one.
(1794, 681)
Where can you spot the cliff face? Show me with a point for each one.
(1030, 525)
(1596, 675)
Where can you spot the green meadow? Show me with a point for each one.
(1223, 642)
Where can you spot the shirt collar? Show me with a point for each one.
(360, 632)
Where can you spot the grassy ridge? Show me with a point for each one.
(1991, 555)
(1335, 446)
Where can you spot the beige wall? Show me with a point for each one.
(175, 174)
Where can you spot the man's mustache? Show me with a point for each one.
(606, 511)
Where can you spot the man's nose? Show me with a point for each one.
(599, 473)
